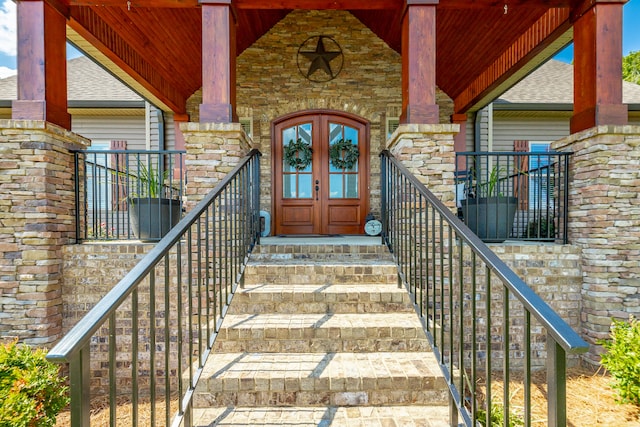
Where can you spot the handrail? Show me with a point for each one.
(217, 235)
(438, 258)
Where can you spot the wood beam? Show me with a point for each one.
(489, 83)
(327, 4)
(319, 4)
(419, 65)
(597, 86)
(218, 64)
(137, 3)
(42, 65)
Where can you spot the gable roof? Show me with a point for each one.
(87, 81)
(552, 83)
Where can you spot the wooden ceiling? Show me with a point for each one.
(158, 42)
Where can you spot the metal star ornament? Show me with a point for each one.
(320, 59)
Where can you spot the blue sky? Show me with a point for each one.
(630, 36)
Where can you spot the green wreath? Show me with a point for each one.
(344, 154)
(298, 154)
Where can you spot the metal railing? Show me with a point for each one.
(514, 195)
(116, 187)
(145, 343)
(488, 329)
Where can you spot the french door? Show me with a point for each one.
(324, 192)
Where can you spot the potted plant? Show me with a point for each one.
(489, 213)
(153, 214)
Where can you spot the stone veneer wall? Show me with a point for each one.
(37, 220)
(269, 84)
(553, 271)
(213, 150)
(428, 152)
(91, 270)
(604, 221)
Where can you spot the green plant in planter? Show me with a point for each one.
(153, 213)
(150, 181)
(488, 213)
(489, 188)
(31, 391)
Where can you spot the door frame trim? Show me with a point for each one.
(316, 112)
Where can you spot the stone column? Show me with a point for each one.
(213, 150)
(428, 152)
(604, 221)
(37, 219)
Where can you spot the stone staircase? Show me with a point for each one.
(321, 335)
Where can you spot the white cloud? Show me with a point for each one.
(6, 72)
(8, 37)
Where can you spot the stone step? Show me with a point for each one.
(321, 379)
(319, 252)
(333, 298)
(325, 272)
(303, 333)
(324, 416)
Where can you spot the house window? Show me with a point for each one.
(247, 126)
(98, 178)
(541, 176)
(392, 125)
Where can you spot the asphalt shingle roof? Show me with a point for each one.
(87, 81)
(552, 83)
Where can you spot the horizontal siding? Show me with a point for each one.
(169, 132)
(507, 129)
(108, 128)
(471, 129)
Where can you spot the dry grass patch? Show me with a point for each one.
(591, 401)
(124, 413)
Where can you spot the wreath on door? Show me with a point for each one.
(344, 154)
(298, 154)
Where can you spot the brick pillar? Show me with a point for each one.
(37, 220)
(604, 221)
(428, 152)
(213, 150)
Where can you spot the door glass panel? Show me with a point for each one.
(296, 183)
(335, 186)
(289, 184)
(351, 186)
(304, 186)
(343, 183)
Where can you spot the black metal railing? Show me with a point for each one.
(488, 329)
(514, 195)
(145, 343)
(116, 187)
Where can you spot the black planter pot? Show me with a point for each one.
(491, 218)
(152, 218)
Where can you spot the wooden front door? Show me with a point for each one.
(320, 198)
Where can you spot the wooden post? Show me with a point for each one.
(42, 64)
(419, 63)
(460, 139)
(597, 34)
(218, 63)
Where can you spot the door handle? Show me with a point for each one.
(317, 188)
